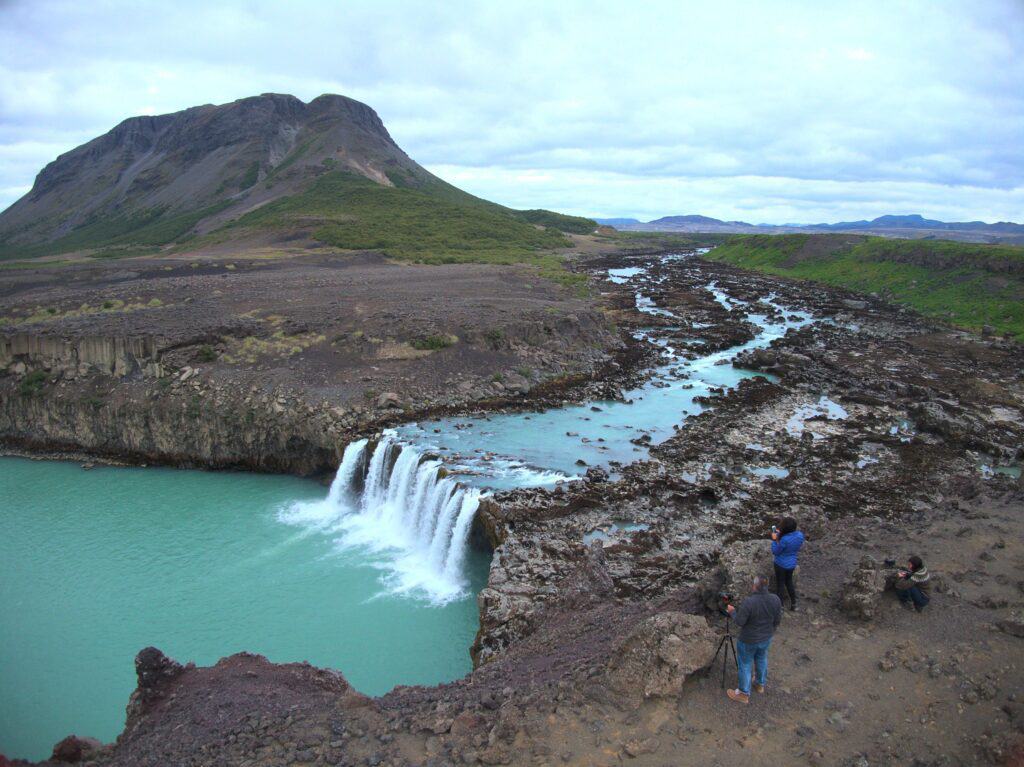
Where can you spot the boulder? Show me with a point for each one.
(811, 520)
(953, 424)
(74, 749)
(863, 590)
(1013, 625)
(659, 654)
(737, 565)
(389, 400)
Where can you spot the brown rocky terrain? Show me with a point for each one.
(876, 430)
(274, 364)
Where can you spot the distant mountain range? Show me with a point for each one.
(910, 226)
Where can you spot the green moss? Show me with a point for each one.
(968, 284)
(32, 383)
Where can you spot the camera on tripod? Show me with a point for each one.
(726, 645)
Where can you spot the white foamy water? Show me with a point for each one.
(402, 510)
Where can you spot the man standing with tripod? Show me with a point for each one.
(758, 617)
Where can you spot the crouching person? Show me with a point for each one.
(758, 616)
(912, 584)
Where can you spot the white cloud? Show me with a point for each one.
(659, 100)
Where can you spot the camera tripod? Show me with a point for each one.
(727, 644)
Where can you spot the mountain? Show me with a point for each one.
(684, 220)
(617, 221)
(152, 181)
(911, 226)
(915, 221)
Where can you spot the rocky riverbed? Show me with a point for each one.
(882, 433)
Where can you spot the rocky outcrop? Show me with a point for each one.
(70, 357)
(74, 749)
(154, 671)
(206, 429)
(738, 564)
(863, 591)
(658, 656)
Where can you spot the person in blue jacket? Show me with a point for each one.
(786, 543)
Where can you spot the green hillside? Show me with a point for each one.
(354, 213)
(970, 285)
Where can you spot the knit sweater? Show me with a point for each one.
(919, 578)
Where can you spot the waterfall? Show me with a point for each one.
(402, 509)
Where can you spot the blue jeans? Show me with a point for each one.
(915, 595)
(749, 655)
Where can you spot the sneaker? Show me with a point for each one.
(758, 688)
(739, 697)
(919, 608)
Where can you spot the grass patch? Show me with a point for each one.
(970, 285)
(279, 345)
(50, 313)
(432, 343)
(206, 353)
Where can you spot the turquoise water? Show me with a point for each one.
(537, 449)
(99, 564)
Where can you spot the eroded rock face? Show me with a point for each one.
(116, 356)
(212, 428)
(658, 656)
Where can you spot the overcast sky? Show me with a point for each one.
(761, 111)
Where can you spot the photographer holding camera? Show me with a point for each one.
(758, 617)
(786, 543)
(912, 584)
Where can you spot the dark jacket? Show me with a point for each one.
(786, 548)
(758, 617)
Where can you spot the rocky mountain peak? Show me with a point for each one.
(212, 156)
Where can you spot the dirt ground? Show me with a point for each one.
(938, 688)
(334, 325)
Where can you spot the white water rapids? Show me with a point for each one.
(402, 507)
